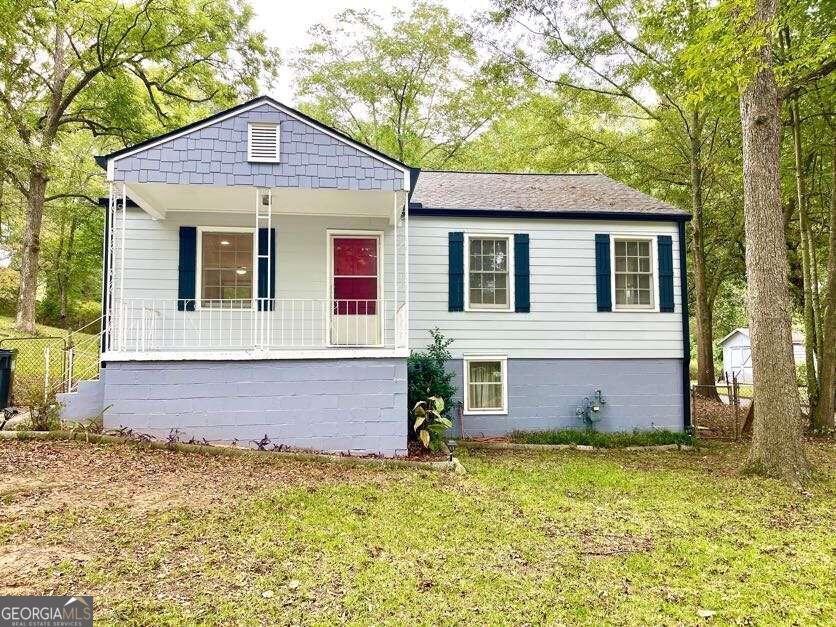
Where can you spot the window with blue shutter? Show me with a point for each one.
(186, 268)
(665, 246)
(522, 279)
(455, 271)
(603, 288)
(267, 305)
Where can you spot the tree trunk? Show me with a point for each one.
(66, 271)
(776, 448)
(810, 331)
(702, 305)
(25, 319)
(827, 362)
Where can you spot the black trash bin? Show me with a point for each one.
(7, 370)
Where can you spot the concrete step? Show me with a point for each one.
(84, 403)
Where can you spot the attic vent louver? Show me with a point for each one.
(263, 142)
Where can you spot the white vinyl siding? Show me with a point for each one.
(151, 253)
(564, 321)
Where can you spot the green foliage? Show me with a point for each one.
(417, 90)
(600, 439)
(82, 77)
(9, 281)
(427, 376)
(430, 423)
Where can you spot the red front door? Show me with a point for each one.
(355, 275)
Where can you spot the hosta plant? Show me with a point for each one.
(430, 422)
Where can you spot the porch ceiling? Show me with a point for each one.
(157, 199)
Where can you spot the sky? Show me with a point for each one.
(286, 23)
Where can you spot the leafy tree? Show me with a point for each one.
(624, 58)
(418, 90)
(113, 68)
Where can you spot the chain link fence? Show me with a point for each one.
(41, 369)
(48, 365)
(722, 410)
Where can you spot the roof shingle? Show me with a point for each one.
(549, 193)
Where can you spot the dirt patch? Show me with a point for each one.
(716, 419)
(23, 563)
(66, 474)
(595, 544)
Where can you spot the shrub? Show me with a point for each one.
(430, 424)
(427, 377)
(600, 439)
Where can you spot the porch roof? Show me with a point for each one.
(158, 199)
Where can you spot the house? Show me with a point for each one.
(268, 275)
(737, 353)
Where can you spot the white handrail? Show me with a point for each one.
(256, 324)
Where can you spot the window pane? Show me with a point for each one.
(475, 261)
(633, 273)
(355, 256)
(485, 385)
(226, 267)
(488, 271)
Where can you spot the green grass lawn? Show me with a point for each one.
(601, 439)
(565, 537)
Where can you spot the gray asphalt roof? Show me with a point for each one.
(579, 193)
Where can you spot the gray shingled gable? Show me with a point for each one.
(216, 154)
(541, 193)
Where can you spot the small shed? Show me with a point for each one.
(737, 353)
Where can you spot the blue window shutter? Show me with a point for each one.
(602, 272)
(455, 271)
(262, 270)
(665, 246)
(522, 280)
(186, 268)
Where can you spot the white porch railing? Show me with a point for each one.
(145, 325)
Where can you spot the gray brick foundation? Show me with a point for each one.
(345, 405)
(543, 394)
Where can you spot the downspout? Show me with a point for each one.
(686, 331)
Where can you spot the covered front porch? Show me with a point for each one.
(215, 272)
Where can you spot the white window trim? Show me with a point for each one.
(198, 281)
(503, 360)
(654, 272)
(330, 234)
(489, 309)
(250, 143)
